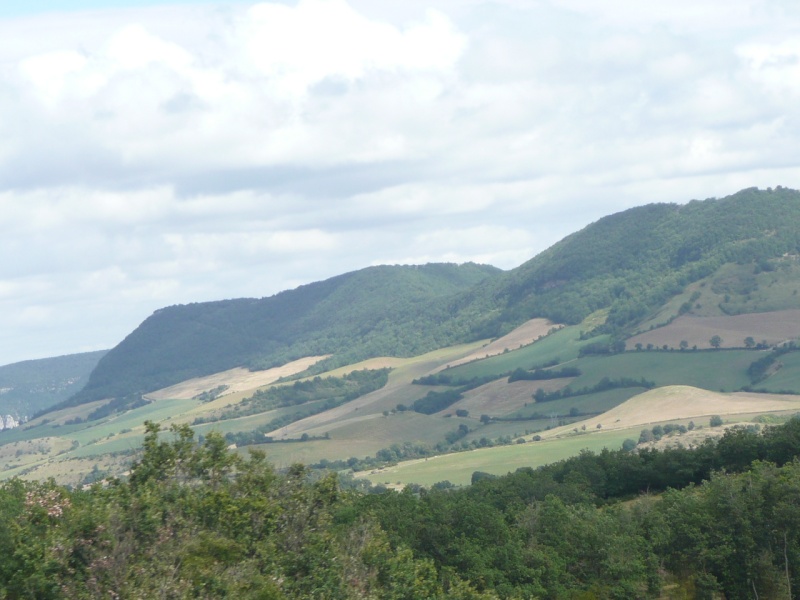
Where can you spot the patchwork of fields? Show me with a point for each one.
(606, 401)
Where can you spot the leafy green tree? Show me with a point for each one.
(715, 341)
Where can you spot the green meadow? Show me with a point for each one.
(458, 468)
(716, 370)
(563, 346)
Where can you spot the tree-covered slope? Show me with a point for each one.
(634, 261)
(194, 520)
(393, 310)
(34, 385)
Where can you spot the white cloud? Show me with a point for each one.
(299, 46)
(775, 67)
(49, 72)
(178, 154)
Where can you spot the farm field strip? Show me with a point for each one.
(774, 327)
(677, 402)
(458, 468)
(525, 334)
(237, 380)
(708, 369)
(564, 344)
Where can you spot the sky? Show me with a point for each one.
(154, 154)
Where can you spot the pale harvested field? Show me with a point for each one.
(498, 398)
(237, 380)
(380, 362)
(216, 407)
(676, 402)
(525, 334)
(774, 327)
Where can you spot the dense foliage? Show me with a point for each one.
(540, 533)
(543, 374)
(196, 521)
(433, 402)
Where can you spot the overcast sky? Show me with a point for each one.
(155, 154)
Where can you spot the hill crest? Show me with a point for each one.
(630, 264)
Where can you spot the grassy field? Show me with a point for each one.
(363, 437)
(585, 404)
(236, 380)
(787, 377)
(497, 429)
(713, 369)
(458, 468)
(525, 334)
(677, 404)
(738, 289)
(562, 345)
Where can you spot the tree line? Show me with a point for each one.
(197, 521)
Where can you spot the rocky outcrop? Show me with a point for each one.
(8, 422)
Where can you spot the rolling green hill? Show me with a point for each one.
(633, 262)
(636, 266)
(388, 310)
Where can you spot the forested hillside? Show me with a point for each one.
(196, 521)
(634, 261)
(34, 385)
(629, 264)
(388, 310)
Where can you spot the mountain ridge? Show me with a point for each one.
(629, 264)
(30, 386)
(314, 319)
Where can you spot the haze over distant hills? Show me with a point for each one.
(30, 386)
